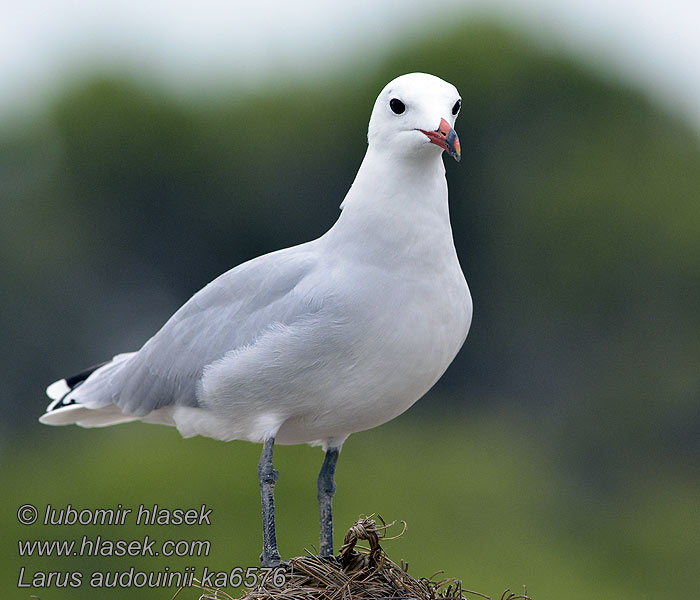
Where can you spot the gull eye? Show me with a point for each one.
(397, 106)
(456, 107)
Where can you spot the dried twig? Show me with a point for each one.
(357, 573)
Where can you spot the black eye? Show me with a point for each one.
(456, 107)
(397, 106)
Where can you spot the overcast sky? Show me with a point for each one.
(652, 43)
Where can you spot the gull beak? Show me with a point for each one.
(445, 137)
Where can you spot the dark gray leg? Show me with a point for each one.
(270, 557)
(326, 489)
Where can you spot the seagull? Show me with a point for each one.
(312, 343)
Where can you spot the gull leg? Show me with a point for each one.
(267, 474)
(326, 489)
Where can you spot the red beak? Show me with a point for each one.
(445, 137)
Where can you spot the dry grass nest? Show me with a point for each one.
(356, 573)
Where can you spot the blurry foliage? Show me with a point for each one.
(575, 211)
(483, 501)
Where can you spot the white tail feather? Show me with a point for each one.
(57, 390)
(77, 413)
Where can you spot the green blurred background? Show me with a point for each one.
(559, 451)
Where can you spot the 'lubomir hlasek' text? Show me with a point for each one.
(144, 515)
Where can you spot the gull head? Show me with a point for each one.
(414, 115)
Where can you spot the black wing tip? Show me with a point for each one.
(75, 380)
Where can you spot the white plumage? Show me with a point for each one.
(312, 343)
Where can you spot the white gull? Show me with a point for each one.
(312, 343)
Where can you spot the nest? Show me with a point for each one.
(357, 573)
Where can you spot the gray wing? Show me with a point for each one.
(229, 313)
